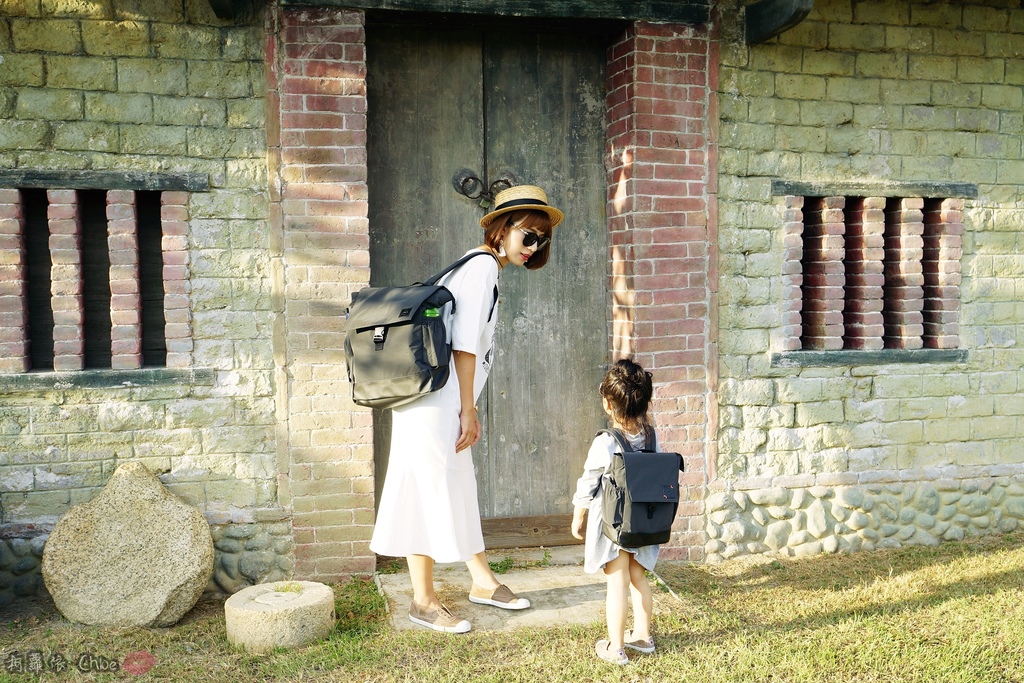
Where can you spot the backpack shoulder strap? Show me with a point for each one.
(617, 435)
(434, 278)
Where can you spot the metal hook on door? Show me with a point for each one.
(468, 184)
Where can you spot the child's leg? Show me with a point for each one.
(617, 574)
(643, 600)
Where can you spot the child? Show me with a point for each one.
(626, 393)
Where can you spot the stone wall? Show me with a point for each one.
(799, 522)
(154, 87)
(244, 555)
(871, 454)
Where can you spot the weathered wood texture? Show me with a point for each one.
(104, 180)
(677, 11)
(841, 358)
(880, 189)
(528, 532)
(531, 104)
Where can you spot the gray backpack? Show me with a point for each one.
(640, 494)
(396, 340)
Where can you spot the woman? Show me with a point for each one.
(428, 509)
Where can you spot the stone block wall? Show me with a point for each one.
(874, 95)
(149, 87)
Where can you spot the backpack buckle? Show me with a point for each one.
(379, 334)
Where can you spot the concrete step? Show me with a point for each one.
(552, 579)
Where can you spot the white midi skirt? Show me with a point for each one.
(429, 502)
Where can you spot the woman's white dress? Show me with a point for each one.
(599, 549)
(429, 502)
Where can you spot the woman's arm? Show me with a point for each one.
(469, 423)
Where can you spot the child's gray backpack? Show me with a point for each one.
(640, 493)
(396, 340)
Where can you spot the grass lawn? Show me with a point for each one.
(948, 613)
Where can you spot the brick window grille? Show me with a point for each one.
(93, 278)
(872, 273)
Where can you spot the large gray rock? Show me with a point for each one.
(135, 555)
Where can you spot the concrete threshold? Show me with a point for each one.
(552, 579)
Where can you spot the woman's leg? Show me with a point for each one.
(616, 603)
(421, 573)
(480, 570)
(643, 600)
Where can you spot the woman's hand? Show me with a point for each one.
(469, 423)
(578, 515)
(469, 429)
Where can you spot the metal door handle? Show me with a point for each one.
(468, 184)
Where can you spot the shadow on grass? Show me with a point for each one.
(717, 595)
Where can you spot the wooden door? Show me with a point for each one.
(494, 102)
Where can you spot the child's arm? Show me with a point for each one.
(578, 514)
(598, 458)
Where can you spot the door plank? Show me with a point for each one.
(425, 120)
(545, 108)
(528, 532)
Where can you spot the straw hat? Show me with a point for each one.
(518, 198)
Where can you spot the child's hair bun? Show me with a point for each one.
(629, 388)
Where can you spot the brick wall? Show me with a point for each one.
(661, 222)
(157, 88)
(14, 350)
(876, 94)
(320, 208)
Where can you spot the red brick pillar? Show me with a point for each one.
(66, 280)
(865, 250)
(318, 75)
(943, 250)
(661, 142)
(904, 278)
(824, 274)
(125, 297)
(792, 273)
(14, 347)
(177, 287)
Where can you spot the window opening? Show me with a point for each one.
(92, 210)
(876, 273)
(36, 243)
(151, 281)
(112, 302)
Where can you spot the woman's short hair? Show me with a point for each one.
(536, 221)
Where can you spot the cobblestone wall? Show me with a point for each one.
(150, 86)
(21, 558)
(244, 555)
(870, 92)
(808, 521)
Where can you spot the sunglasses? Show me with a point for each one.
(532, 238)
